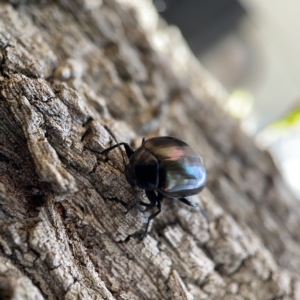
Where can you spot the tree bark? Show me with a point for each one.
(67, 69)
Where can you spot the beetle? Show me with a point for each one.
(163, 167)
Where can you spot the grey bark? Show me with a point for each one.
(67, 69)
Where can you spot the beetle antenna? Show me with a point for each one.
(114, 137)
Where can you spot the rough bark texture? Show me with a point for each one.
(70, 67)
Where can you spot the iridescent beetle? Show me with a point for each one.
(163, 167)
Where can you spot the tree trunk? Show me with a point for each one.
(67, 69)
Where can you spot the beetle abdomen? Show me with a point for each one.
(167, 147)
(181, 177)
(181, 169)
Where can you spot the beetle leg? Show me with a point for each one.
(187, 202)
(132, 206)
(146, 204)
(151, 197)
(155, 201)
(141, 203)
(150, 218)
(128, 149)
(203, 211)
(143, 141)
(204, 214)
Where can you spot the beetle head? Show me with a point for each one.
(129, 175)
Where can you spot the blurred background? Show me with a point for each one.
(253, 48)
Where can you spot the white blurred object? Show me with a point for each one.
(284, 145)
(276, 27)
